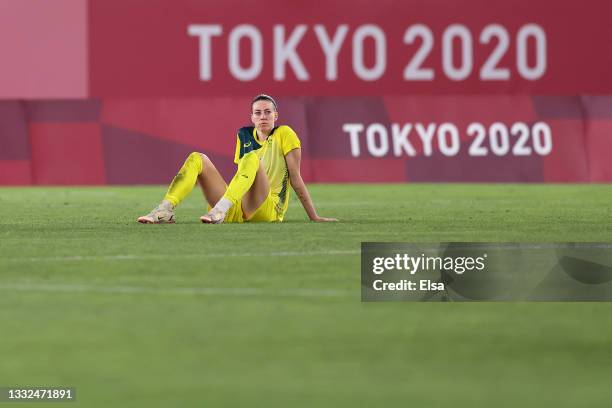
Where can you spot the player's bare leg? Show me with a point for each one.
(249, 183)
(212, 184)
(197, 168)
(257, 194)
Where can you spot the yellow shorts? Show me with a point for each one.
(265, 213)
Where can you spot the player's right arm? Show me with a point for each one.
(293, 159)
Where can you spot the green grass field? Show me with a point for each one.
(267, 315)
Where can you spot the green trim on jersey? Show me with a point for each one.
(282, 195)
(248, 143)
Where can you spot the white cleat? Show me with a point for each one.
(162, 214)
(213, 217)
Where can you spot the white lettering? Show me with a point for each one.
(400, 140)
(426, 136)
(353, 129)
(380, 45)
(205, 32)
(452, 148)
(330, 48)
(377, 149)
(284, 52)
(252, 33)
(416, 262)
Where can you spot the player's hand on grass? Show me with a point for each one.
(324, 219)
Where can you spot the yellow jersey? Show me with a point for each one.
(271, 153)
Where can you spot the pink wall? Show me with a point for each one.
(43, 47)
(144, 141)
(115, 91)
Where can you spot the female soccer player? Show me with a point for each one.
(268, 158)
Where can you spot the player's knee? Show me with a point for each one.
(196, 160)
(198, 155)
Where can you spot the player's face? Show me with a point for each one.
(263, 116)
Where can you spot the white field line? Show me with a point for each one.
(180, 256)
(196, 291)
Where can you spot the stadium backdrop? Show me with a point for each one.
(120, 91)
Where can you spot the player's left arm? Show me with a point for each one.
(293, 159)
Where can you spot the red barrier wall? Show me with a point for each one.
(393, 139)
(120, 91)
(172, 48)
(43, 47)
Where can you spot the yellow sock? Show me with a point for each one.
(243, 180)
(185, 180)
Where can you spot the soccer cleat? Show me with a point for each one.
(217, 214)
(213, 217)
(162, 214)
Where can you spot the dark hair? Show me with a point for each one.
(264, 97)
